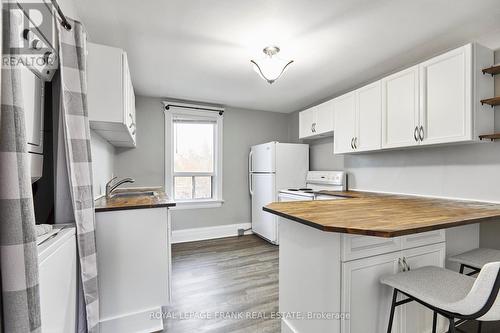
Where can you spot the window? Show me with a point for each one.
(194, 155)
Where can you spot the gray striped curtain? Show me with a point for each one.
(19, 301)
(76, 136)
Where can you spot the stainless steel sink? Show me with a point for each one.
(133, 194)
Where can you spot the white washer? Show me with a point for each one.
(58, 269)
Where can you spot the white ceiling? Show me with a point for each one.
(201, 49)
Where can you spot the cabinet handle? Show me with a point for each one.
(408, 268)
(400, 265)
(421, 133)
(314, 127)
(415, 133)
(352, 143)
(356, 142)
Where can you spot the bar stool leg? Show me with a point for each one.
(479, 326)
(434, 322)
(393, 306)
(452, 325)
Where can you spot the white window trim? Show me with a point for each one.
(210, 113)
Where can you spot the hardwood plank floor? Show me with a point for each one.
(224, 276)
(232, 275)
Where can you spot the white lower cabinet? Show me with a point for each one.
(415, 318)
(134, 264)
(368, 301)
(363, 297)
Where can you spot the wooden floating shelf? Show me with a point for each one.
(493, 70)
(491, 101)
(491, 137)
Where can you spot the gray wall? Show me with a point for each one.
(145, 163)
(320, 150)
(242, 129)
(103, 162)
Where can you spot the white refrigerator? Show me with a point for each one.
(274, 166)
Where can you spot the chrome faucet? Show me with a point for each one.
(110, 186)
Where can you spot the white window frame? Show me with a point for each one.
(200, 112)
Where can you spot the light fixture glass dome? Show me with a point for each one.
(270, 67)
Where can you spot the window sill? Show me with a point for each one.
(199, 204)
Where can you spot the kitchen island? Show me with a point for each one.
(333, 253)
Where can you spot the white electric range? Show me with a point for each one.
(317, 181)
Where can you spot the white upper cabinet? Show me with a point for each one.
(357, 120)
(110, 95)
(306, 123)
(450, 85)
(316, 121)
(435, 102)
(445, 83)
(368, 117)
(324, 119)
(400, 109)
(345, 123)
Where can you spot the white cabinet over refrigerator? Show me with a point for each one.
(316, 121)
(271, 167)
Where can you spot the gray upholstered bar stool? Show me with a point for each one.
(475, 260)
(448, 293)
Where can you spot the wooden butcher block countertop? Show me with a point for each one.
(384, 215)
(158, 200)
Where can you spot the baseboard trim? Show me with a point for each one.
(219, 231)
(133, 322)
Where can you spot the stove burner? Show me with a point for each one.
(292, 189)
(305, 189)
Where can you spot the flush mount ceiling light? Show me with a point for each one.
(270, 67)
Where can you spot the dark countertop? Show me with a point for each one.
(384, 215)
(160, 199)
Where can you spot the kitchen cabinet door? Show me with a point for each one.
(369, 117)
(400, 114)
(110, 95)
(416, 318)
(363, 296)
(129, 99)
(344, 108)
(134, 280)
(306, 120)
(323, 119)
(445, 92)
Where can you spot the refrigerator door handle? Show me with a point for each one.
(250, 183)
(250, 162)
